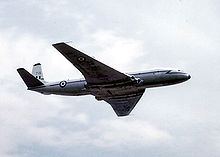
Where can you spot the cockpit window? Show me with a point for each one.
(173, 71)
(168, 71)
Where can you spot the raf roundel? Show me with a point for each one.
(63, 84)
(81, 59)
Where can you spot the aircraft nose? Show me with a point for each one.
(188, 76)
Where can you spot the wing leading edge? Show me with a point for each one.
(95, 72)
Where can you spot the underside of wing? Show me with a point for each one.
(125, 104)
(95, 72)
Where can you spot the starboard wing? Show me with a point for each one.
(125, 104)
(95, 72)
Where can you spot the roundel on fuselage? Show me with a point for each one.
(63, 84)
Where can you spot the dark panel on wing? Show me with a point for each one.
(94, 71)
(125, 104)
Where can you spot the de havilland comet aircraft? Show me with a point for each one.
(122, 91)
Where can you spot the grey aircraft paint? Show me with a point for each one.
(121, 91)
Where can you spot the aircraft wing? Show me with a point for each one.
(95, 72)
(125, 104)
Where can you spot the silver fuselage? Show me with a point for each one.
(156, 78)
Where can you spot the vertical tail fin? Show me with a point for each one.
(37, 72)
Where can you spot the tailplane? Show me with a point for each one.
(31, 80)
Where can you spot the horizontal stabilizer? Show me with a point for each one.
(28, 78)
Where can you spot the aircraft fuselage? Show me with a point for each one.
(141, 81)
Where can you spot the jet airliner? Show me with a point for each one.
(122, 91)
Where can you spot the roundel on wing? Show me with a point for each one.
(81, 59)
(63, 84)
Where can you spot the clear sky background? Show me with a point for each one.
(181, 120)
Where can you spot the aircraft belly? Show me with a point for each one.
(101, 94)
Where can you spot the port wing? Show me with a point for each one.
(95, 72)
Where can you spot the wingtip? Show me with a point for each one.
(57, 44)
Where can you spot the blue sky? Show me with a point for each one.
(180, 120)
